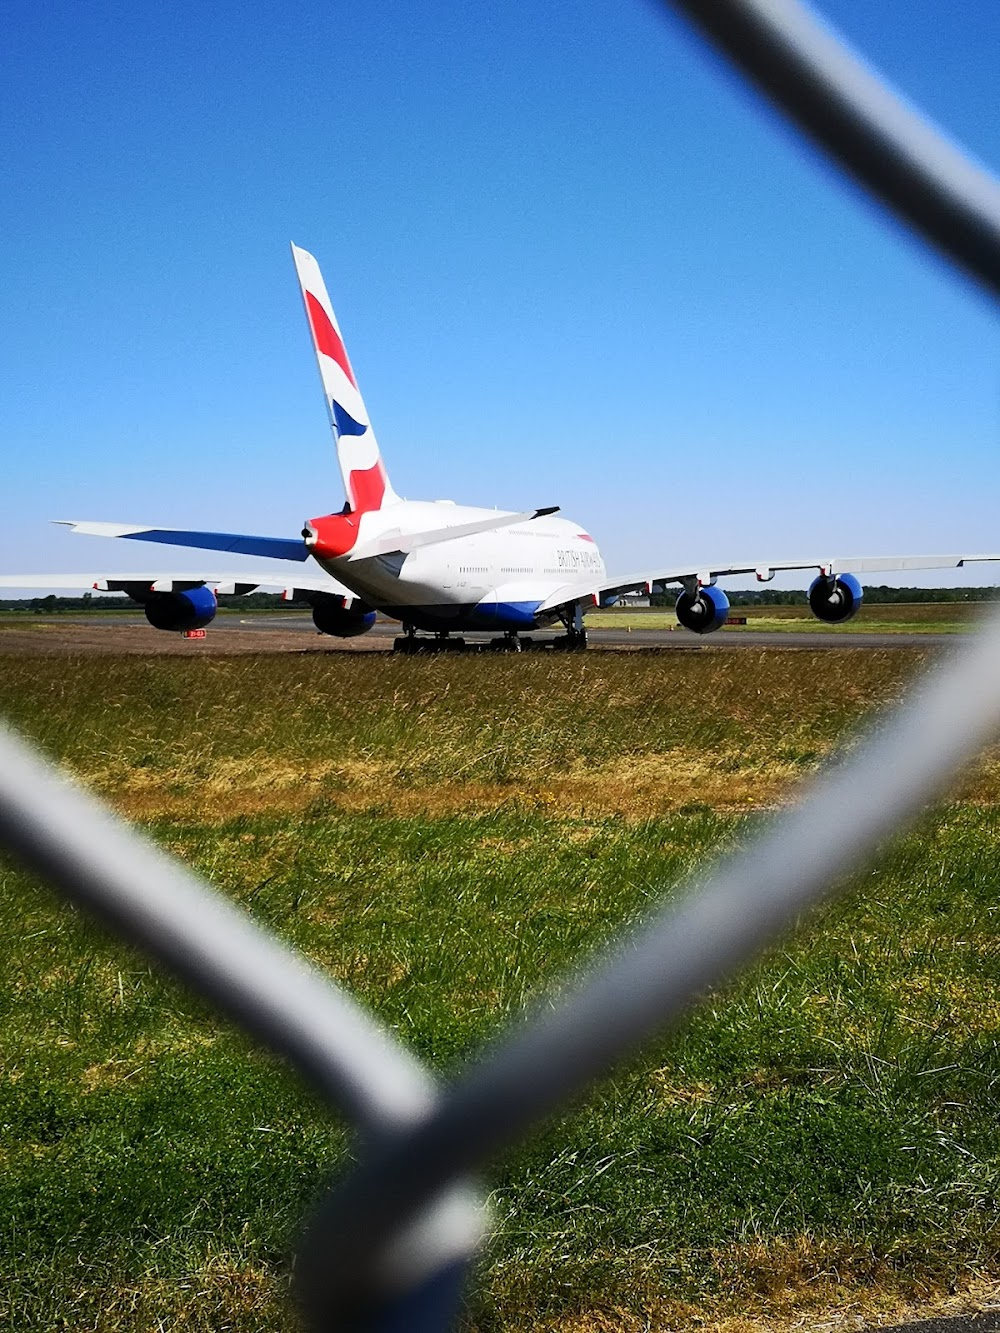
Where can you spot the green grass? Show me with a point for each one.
(821, 1129)
(592, 733)
(879, 618)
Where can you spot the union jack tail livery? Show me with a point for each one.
(366, 481)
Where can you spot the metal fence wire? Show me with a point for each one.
(389, 1247)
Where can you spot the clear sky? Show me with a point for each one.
(574, 260)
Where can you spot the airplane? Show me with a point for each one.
(440, 568)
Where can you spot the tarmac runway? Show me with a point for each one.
(666, 640)
(986, 1322)
(283, 632)
(636, 639)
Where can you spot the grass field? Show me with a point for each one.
(447, 836)
(878, 618)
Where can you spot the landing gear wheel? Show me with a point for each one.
(407, 641)
(575, 638)
(510, 643)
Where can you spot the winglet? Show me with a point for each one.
(91, 529)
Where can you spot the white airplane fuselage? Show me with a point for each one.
(495, 580)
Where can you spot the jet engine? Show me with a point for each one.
(702, 611)
(835, 600)
(331, 615)
(192, 609)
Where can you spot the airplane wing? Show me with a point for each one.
(245, 581)
(656, 580)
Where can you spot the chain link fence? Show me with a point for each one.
(389, 1247)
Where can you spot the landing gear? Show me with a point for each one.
(575, 638)
(441, 643)
(407, 642)
(444, 643)
(571, 642)
(510, 643)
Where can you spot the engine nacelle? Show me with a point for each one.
(834, 600)
(332, 616)
(178, 611)
(702, 611)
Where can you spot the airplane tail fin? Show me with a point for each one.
(365, 478)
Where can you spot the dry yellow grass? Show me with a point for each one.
(798, 1287)
(636, 790)
(634, 786)
(634, 736)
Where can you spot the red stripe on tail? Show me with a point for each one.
(327, 338)
(367, 489)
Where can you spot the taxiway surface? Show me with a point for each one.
(127, 633)
(659, 638)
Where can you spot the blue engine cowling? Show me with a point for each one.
(703, 611)
(332, 616)
(178, 611)
(834, 600)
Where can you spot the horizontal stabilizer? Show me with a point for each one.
(387, 543)
(236, 543)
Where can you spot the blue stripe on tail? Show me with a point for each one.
(344, 423)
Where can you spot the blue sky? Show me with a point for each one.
(574, 260)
